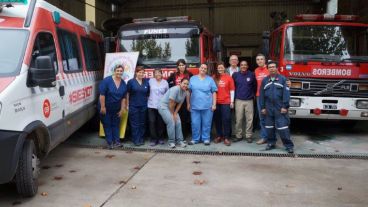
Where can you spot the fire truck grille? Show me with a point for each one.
(330, 87)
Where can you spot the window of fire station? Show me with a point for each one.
(91, 56)
(69, 51)
(44, 45)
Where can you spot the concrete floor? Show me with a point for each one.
(98, 177)
(310, 137)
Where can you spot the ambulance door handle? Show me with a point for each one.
(61, 91)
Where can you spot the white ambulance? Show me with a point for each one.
(50, 66)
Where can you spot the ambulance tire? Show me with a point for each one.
(28, 170)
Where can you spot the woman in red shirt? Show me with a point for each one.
(224, 102)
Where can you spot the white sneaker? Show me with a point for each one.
(171, 145)
(182, 144)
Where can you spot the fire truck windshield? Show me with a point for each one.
(160, 47)
(12, 47)
(326, 43)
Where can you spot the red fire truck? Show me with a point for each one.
(162, 41)
(326, 59)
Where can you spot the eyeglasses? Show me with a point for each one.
(181, 65)
(244, 64)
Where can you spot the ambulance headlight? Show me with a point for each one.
(360, 104)
(294, 102)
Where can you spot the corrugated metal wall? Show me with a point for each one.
(240, 22)
(77, 9)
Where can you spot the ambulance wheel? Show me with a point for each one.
(28, 170)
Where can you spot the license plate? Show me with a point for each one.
(330, 106)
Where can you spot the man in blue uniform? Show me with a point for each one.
(274, 99)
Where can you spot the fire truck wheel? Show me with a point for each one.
(28, 170)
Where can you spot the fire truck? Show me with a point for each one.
(326, 59)
(162, 41)
(50, 67)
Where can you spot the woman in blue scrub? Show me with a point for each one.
(138, 92)
(112, 103)
(202, 104)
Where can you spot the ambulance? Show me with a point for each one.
(50, 67)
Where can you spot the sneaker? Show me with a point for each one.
(118, 144)
(227, 142)
(270, 147)
(110, 146)
(206, 142)
(249, 140)
(192, 142)
(171, 145)
(261, 141)
(153, 143)
(182, 144)
(290, 150)
(161, 142)
(218, 140)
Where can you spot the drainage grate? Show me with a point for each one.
(218, 153)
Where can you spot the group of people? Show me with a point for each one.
(185, 101)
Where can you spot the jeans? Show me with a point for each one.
(201, 124)
(222, 118)
(156, 124)
(174, 132)
(137, 118)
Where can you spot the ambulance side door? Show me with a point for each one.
(49, 100)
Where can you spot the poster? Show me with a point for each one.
(129, 62)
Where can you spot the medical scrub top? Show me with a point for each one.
(113, 95)
(201, 90)
(138, 93)
(176, 94)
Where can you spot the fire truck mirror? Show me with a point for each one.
(43, 74)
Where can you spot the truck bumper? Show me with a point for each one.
(328, 108)
(11, 143)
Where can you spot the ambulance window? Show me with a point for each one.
(91, 56)
(44, 46)
(69, 51)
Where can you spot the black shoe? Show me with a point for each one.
(290, 150)
(249, 140)
(270, 147)
(237, 139)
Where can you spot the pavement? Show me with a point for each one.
(85, 177)
(311, 137)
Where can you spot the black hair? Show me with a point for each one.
(272, 62)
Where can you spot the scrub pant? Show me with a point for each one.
(156, 125)
(281, 121)
(201, 125)
(263, 132)
(111, 123)
(174, 131)
(137, 118)
(222, 117)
